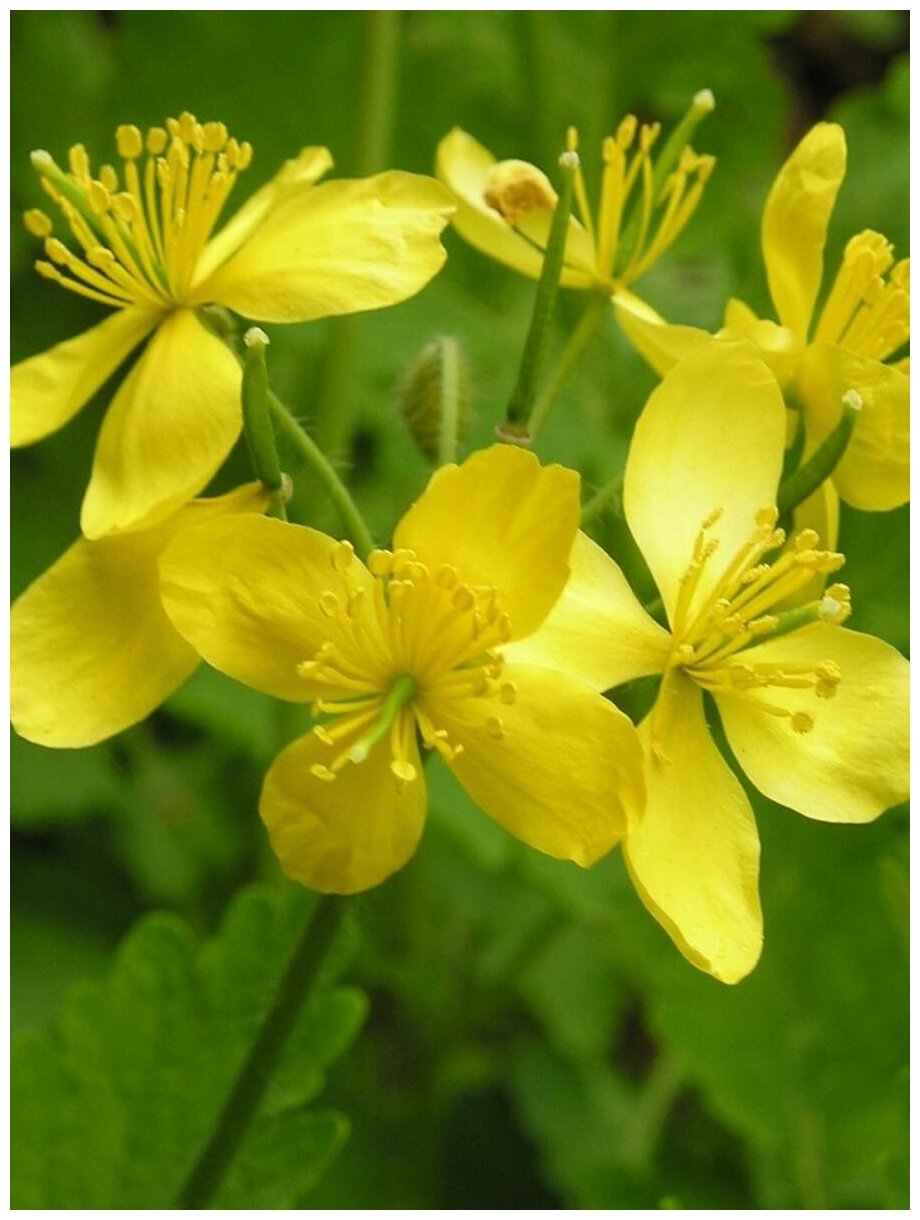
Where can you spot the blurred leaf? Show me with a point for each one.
(48, 786)
(113, 1107)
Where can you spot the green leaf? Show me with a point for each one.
(113, 1107)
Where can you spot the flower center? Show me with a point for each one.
(140, 235)
(418, 638)
(641, 212)
(868, 308)
(748, 606)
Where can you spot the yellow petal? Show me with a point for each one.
(336, 248)
(346, 835)
(795, 219)
(246, 594)
(560, 767)
(463, 165)
(49, 389)
(303, 170)
(171, 424)
(695, 855)
(777, 346)
(711, 436)
(658, 342)
(597, 631)
(504, 521)
(874, 473)
(853, 764)
(91, 649)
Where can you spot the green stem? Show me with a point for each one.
(521, 404)
(325, 475)
(581, 336)
(243, 1102)
(803, 482)
(377, 103)
(610, 496)
(450, 401)
(257, 424)
(374, 122)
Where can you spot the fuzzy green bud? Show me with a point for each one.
(434, 399)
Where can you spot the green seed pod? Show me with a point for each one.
(434, 399)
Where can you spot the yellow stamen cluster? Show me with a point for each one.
(140, 234)
(868, 308)
(418, 638)
(746, 607)
(641, 214)
(638, 219)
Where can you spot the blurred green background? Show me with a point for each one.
(533, 1038)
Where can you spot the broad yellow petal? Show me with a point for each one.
(795, 219)
(597, 631)
(658, 342)
(303, 170)
(502, 520)
(874, 473)
(91, 648)
(560, 767)
(246, 594)
(464, 166)
(346, 835)
(710, 437)
(49, 389)
(853, 764)
(336, 248)
(776, 345)
(695, 855)
(171, 424)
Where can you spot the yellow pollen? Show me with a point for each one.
(37, 222)
(868, 308)
(748, 604)
(155, 223)
(419, 644)
(514, 188)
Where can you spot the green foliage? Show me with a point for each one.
(113, 1106)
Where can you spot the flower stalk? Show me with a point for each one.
(257, 424)
(520, 407)
(803, 482)
(294, 989)
(325, 474)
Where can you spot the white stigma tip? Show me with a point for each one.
(704, 101)
(358, 753)
(40, 157)
(254, 335)
(829, 609)
(853, 399)
(569, 159)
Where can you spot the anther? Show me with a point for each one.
(37, 223)
(507, 692)
(323, 773)
(463, 598)
(328, 603)
(156, 141)
(495, 728)
(380, 562)
(801, 722)
(341, 555)
(128, 141)
(446, 577)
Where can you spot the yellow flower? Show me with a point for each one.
(504, 208)
(819, 354)
(295, 251)
(91, 649)
(815, 714)
(413, 644)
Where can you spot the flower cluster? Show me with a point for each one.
(491, 631)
